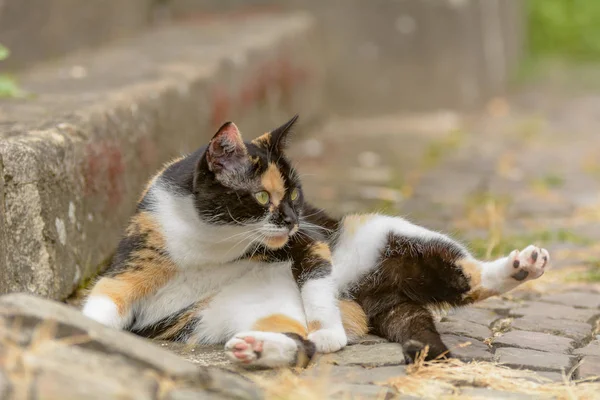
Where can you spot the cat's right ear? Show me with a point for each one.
(226, 150)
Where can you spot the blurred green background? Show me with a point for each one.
(565, 28)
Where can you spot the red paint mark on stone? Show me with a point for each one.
(221, 107)
(103, 171)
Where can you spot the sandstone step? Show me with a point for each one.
(51, 351)
(75, 158)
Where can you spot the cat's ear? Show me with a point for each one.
(277, 139)
(226, 150)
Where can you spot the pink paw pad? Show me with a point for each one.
(529, 263)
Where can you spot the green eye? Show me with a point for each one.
(262, 197)
(294, 195)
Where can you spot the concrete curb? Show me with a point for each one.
(74, 159)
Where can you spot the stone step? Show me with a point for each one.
(52, 349)
(75, 157)
(36, 30)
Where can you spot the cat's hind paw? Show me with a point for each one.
(528, 264)
(412, 349)
(261, 349)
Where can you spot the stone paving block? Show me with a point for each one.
(496, 303)
(533, 359)
(475, 315)
(206, 355)
(485, 393)
(573, 329)
(356, 374)
(592, 349)
(574, 299)
(535, 341)
(375, 355)
(369, 339)
(555, 311)
(464, 328)
(475, 351)
(590, 367)
(553, 376)
(76, 157)
(363, 392)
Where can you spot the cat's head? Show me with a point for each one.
(250, 184)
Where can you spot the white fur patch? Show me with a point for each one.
(103, 310)
(263, 290)
(320, 304)
(192, 242)
(358, 250)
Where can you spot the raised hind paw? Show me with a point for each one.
(528, 264)
(265, 349)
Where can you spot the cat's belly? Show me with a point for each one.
(187, 287)
(260, 293)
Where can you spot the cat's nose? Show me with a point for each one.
(289, 221)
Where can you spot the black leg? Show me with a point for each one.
(412, 326)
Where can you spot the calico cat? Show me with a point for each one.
(223, 248)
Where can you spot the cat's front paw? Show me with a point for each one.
(328, 340)
(528, 264)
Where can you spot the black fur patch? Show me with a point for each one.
(164, 325)
(413, 274)
(306, 350)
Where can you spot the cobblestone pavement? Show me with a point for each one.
(516, 175)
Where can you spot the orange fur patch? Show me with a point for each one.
(321, 250)
(314, 326)
(130, 286)
(275, 242)
(146, 270)
(353, 222)
(144, 223)
(272, 181)
(472, 270)
(354, 319)
(263, 140)
(280, 323)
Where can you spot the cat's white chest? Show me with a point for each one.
(191, 242)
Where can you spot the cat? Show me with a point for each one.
(224, 248)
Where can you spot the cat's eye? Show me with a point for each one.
(262, 197)
(294, 195)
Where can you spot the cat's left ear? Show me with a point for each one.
(277, 139)
(226, 150)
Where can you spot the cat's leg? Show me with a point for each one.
(319, 297)
(140, 267)
(259, 317)
(490, 278)
(411, 325)
(399, 271)
(112, 299)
